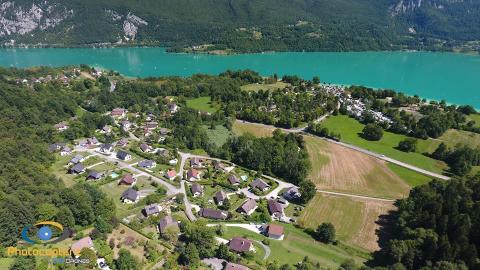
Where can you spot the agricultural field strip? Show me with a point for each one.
(359, 149)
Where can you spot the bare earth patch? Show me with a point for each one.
(355, 220)
(344, 170)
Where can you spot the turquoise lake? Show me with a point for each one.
(450, 76)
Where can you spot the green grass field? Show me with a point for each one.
(203, 104)
(5, 263)
(297, 244)
(268, 87)
(256, 130)
(412, 178)
(474, 117)
(219, 135)
(350, 129)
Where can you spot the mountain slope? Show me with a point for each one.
(244, 25)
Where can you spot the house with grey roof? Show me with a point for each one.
(147, 164)
(76, 159)
(275, 209)
(65, 151)
(233, 180)
(248, 207)
(94, 175)
(234, 266)
(197, 190)
(259, 184)
(106, 148)
(130, 196)
(152, 210)
(167, 222)
(124, 155)
(77, 169)
(241, 245)
(145, 148)
(220, 197)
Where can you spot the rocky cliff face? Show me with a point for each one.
(21, 20)
(406, 6)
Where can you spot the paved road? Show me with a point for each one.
(188, 205)
(359, 149)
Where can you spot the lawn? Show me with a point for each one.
(350, 129)
(5, 263)
(354, 219)
(297, 244)
(240, 128)
(219, 135)
(474, 117)
(412, 178)
(452, 137)
(203, 104)
(268, 87)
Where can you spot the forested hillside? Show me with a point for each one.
(245, 26)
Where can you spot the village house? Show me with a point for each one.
(248, 207)
(275, 209)
(259, 184)
(77, 169)
(118, 113)
(167, 222)
(163, 152)
(233, 180)
(125, 125)
(54, 147)
(193, 175)
(234, 266)
(124, 155)
(76, 159)
(130, 196)
(61, 126)
(151, 125)
(122, 142)
(172, 107)
(107, 129)
(273, 231)
(94, 175)
(147, 164)
(197, 190)
(128, 180)
(196, 163)
(145, 148)
(241, 245)
(213, 213)
(171, 174)
(106, 148)
(152, 210)
(92, 141)
(65, 151)
(85, 242)
(219, 166)
(220, 197)
(292, 194)
(164, 131)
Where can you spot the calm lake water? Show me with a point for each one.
(449, 76)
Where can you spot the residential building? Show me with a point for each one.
(85, 242)
(151, 125)
(193, 175)
(128, 180)
(275, 209)
(259, 184)
(122, 142)
(54, 147)
(171, 174)
(106, 148)
(172, 107)
(130, 196)
(241, 245)
(94, 175)
(234, 266)
(196, 163)
(274, 231)
(233, 180)
(125, 124)
(118, 113)
(213, 213)
(292, 194)
(220, 197)
(61, 126)
(152, 210)
(76, 159)
(92, 141)
(65, 151)
(166, 223)
(197, 190)
(147, 164)
(248, 207)
(219, 166)
(77, 168)
(145, 148)
(123, 155)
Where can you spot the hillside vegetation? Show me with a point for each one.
(246, 26)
